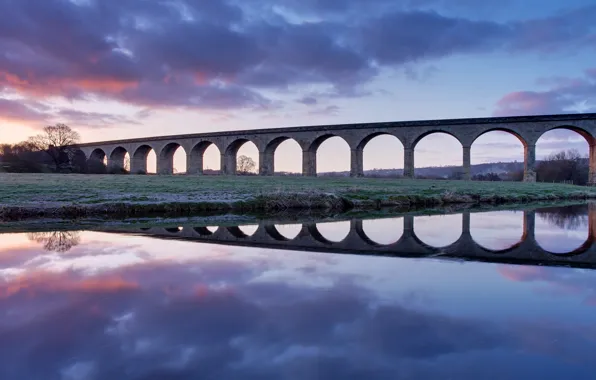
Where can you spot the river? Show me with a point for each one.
(492, 294)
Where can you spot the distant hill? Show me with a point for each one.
(440, 171)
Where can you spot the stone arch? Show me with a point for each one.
(422, 135)
(165, 160)
(117, 160)
(97, 162)
(313, 152)
(197, 155)
(98, 154)
(231, 153)
(410, 155)
(512, 168)
(501, 129)
(138, 162)
(359, 155)
(544, 174)
(269, 155)
(581, 131)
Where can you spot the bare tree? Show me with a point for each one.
(245, 165)
(56, 241)
(58, 141)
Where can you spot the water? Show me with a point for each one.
(430, 297)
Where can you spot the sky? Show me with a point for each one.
(131, 68)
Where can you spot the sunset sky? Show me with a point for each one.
(131, 68)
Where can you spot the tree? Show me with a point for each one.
(58, 141)
(563, 166)
(56, 241)
(245, 165)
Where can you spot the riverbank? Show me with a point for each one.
(25, 196)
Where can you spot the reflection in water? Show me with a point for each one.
(56, 241)
(249, 230)
(383, 231)
(121, 306)
(571, 230)
(334, 231)
(289, 231)
(438, 230)
(497, 230)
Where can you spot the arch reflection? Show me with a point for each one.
(564, 230)
(383, 231)
(334, 232)
(438, 230)
(288, 231)
(497, 230)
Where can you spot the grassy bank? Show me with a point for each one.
(55, 195)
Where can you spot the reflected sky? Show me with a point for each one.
(94, 305)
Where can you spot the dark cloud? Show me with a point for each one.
(224, 54)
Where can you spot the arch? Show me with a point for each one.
(231, 157)
(98, 154)
(271, 156)
(249, 229)
(563, 231)
(501, 129)
(166, 163)
(432, 132)
(287, 231)
(140, 158)
(197, 158)
(449, 154)
(438, 231)
(174, 230)
(118, 162)
(334, 232)
(97, 162)
(380, 151)
(510, 225)
(507, 155)
(329, 164)
(383, 231)
(563, 155)
(582, 132)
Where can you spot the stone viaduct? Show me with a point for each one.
(528, 129)
(526, 251)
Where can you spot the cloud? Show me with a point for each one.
(565, 95)
(226, 55)
(15, 110)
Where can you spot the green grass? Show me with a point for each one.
(43, 191)
(23, 189)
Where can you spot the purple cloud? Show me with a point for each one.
(564, 95)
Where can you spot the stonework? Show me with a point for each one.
(527, 129)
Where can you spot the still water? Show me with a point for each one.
(429, 297)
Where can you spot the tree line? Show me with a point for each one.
(55, 150)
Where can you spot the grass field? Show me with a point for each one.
(51, 191)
